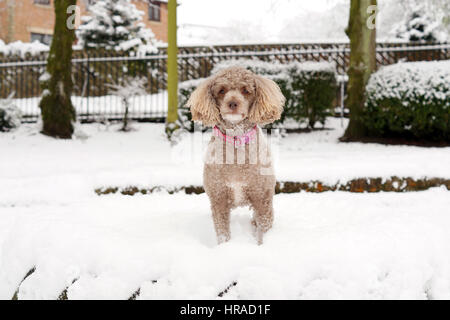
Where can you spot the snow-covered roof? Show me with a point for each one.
(20, 48)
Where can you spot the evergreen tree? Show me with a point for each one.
(115, 24)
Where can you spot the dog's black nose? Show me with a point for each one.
(232, 105)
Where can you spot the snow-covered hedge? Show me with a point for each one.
(309, 88)
(10, 115)
(410, 99)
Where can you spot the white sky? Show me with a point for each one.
(219, 12)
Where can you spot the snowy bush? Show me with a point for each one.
(10, 115)
(116, 24)
(423, 21)
(126, 89)
(418, 27)
(185, 90)
(309, 88)
(410, 99)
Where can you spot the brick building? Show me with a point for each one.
(29, 20)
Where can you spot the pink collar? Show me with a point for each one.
(236, 140)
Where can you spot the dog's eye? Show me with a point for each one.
(222, 91)
(245, 91)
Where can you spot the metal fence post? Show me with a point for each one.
(87, 86)
(172, 66)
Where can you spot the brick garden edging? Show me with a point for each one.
(393, 184)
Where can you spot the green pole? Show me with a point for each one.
(172, 69)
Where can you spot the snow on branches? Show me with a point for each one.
(423, 21)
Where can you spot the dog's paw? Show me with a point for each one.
(258, 233)
(259, 236)
(222, 238)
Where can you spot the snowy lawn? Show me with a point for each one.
(55, 171)
(328, 245)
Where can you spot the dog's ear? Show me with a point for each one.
(269, 102)
(203, 105)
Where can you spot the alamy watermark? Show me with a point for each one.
(198, 148)
(372, 10)
(74, 18)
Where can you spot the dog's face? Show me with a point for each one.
(235, 94)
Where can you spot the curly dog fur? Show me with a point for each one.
(237, 101)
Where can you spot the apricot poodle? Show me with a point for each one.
(238, 167)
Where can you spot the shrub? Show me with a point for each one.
(185, 90)
(309, 88)
(10, 115)
(409, 100)
(127, 88)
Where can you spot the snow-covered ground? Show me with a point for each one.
(329, 245)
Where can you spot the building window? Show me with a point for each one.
(154, 11)
(43, 38)
(42, 2)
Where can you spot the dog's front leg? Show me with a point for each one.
(261, 202)
(222, 225)
(221, 209)
(220, 198)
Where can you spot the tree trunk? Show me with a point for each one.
(172, 70)
(362, 64)
(58, 113)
